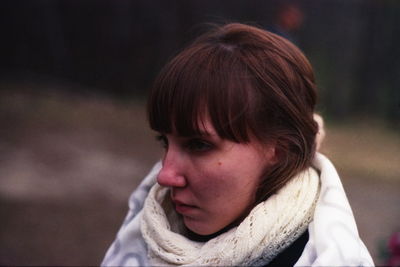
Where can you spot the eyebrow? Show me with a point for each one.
(198, 134)
(201, 134)
(205, 133)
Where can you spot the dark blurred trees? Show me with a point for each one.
(379, 68)
(354, 47)
(119, 46)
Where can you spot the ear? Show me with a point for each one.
(271, 154)
(321, 131)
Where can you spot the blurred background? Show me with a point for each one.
(74, 140)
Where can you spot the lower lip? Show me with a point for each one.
(184, 209)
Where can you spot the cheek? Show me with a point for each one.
(227, 176)
(214, 180)
(228, 180)
(242, 174)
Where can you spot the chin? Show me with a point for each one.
(199, 228)
(204, 231)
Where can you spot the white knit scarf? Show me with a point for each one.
(270, 227)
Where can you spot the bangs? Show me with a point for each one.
(203, 82)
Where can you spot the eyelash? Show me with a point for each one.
(198, 145)
(195, 145)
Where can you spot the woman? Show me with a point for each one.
(240, 182)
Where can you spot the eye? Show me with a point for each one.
(163, 140)
(198, 145)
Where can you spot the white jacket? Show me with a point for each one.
(333, 235)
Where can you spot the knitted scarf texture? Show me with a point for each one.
(270, 227)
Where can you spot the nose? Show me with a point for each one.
(171, 173)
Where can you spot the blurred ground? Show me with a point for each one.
(68, 164)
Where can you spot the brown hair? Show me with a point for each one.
(251, 83)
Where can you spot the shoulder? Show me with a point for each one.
(129, 247)
(333, 233)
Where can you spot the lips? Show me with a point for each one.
(183, 208)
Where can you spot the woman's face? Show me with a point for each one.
(213, 181)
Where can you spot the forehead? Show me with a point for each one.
(205, 126)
